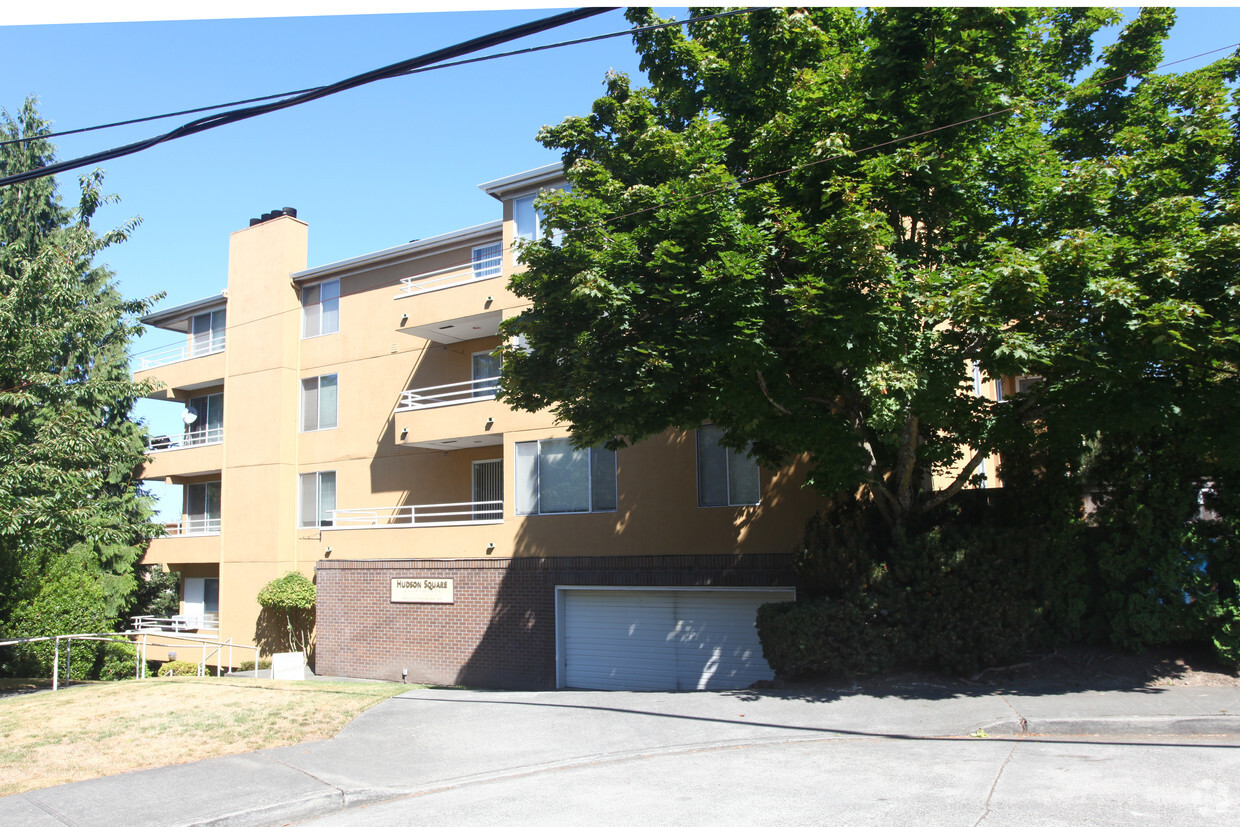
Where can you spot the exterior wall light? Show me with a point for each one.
(404, 433)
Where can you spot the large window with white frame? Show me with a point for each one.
(726, 476)
(553, 477)
(206, 333)
(318, 402)
(202, 508)
(320, 309)
(486, 260)
(528, 219)
(317, 499)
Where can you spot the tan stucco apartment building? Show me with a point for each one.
(341, 422)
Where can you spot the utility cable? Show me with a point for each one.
(276, 96)
(393, 70)
(902, 139)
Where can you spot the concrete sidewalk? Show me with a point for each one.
(433, 740)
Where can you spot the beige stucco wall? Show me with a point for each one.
(375, 358)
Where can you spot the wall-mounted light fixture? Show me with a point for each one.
(404, 433)
(327, 552)
(490, 420)
(490, 547)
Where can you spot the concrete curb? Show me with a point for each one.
(1138, 725)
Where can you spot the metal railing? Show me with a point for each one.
(404, 516)
(179, 353)
(487, 268)
(191, 439)
(193, 527)
(456, 393)
(208, 623)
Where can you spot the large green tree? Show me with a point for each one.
(815, 224)
(69, 450)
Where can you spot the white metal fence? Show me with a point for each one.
(487, 268)
(489, 511)
(192, 439)
(455, 393)
(193, 527)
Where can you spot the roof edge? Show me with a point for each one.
(379, 258)
(530, 179)
(161, 318)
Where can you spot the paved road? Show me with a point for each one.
(455, 756)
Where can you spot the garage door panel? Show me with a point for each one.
(663, 639)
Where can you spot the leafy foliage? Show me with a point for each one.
(70, 504)
(293, 596)
(757, 241)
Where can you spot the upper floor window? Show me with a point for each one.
(320, 309)
(527, 219)
(206, 333)
(486, 370)
(202, 508)
(553, 477)
(317, 499)
(486, 260)
(204, 419)
(726, 476)
(318, 402)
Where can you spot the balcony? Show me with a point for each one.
(193, 527)
(181, 353)
(456, 393)
(193, 439)
(455, 304)
(204, 624)
(414, 516)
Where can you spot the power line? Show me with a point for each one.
(872, 147)
(393, 70)
(497, 55)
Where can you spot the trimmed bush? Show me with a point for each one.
(827, 636)
(178, 668)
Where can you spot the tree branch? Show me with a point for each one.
(963, 477)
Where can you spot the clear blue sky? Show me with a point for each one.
(367, 169)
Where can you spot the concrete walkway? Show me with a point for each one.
(448, 741)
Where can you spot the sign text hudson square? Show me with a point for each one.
(421, 589)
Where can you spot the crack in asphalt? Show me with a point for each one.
(994, 784)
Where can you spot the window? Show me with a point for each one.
(486, 260)
(318, 499)
(486, 367)
(528, 220)
(202, 599)
(202, 508)
(553, 477)
(725, 476)
(204, 419)
(320, 309)
(206, 333)
(318, 403)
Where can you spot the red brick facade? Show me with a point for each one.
(499, 631)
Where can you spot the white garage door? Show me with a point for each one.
(663, 639)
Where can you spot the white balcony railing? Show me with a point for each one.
(206, 623)
(193, 439)
(487, 268)
(180, 353)
(456, 393)
(193, 527)
(405, 516)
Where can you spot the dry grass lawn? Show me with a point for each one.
(50, 738)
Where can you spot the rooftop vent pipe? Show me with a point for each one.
(291, 212)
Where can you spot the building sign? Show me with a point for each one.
(421, 589)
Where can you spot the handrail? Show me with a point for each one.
(465, 513)
(193, 527)
(190, 439)
(180, 353)
(481, 270)
(455, 393)
(177, 623)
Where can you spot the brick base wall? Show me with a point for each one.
(499, 631)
